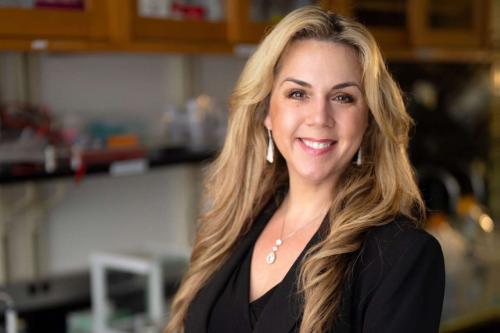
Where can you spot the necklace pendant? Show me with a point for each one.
(271, 257)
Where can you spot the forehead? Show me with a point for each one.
(319, 60)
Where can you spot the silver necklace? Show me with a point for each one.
(272, 256)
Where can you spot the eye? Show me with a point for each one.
(343, 98)
(296, 94)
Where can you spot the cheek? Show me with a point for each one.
(354, 124)
(281, 118)
(285, 125)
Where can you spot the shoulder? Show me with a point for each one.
(390, 252)
(386, 244)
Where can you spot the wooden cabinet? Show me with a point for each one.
(424, 23)
(23, 25)
(387, 20)
(402, 25)
(407, 26)
(132, 31)
(248, 20)
(449, 23)
(108, 25)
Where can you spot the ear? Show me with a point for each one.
(267, 121)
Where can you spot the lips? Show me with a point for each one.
(317, 146)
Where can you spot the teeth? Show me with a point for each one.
(316, 145)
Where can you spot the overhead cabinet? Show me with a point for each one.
(250, 19)
(28, 24)
(424, 23)
(449, 23)
(171, 25)
(387, 20)
(218, 25)
(396, 24)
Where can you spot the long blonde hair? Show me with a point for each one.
(240, 181)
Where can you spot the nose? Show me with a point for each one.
(320, 113)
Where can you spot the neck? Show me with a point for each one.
(306, 201)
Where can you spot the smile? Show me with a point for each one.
(316, 147)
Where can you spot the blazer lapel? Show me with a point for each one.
(206, 297)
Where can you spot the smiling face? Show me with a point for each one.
(317, 110)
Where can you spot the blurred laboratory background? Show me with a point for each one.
(111, 109)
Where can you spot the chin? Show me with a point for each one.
(317, 177)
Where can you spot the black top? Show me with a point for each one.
(238, 288)
(397, 286)
(257, 305)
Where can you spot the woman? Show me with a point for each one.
(314, 224)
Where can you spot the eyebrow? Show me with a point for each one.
(308, 85)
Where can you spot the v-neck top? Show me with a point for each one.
(233, 302)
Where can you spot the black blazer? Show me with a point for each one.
(397, 284)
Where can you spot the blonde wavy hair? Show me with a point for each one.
(240, 181)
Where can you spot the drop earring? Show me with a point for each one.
(270, 148)
(359, 159)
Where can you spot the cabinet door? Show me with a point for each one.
(449, 23)
(249, 19)
(170, 25)
(89, 22)
(387, 20)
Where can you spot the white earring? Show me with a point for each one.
(359, 159)
(270, 148)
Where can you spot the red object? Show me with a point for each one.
(194, 12)
(16, 117)
(80, 173)
(191, 12)
(62, 4)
